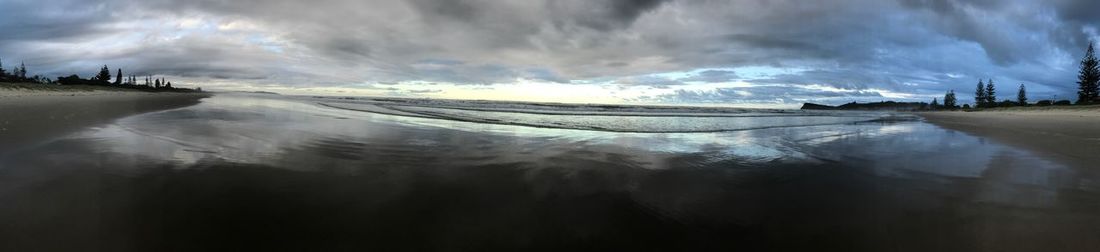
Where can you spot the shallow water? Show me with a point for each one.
(600, 118)
(266, 172)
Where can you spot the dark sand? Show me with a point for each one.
(1070, 135)
(267, 173)
(28, 116)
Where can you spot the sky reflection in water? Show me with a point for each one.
(258, 129)
(857, 186)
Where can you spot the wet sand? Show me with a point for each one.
(1069, 134)
(29, 116)
(247, 173)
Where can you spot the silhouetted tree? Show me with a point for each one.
(118, 77)
(3, 73)
(935, 104)
(949, 100)
(169, 85)
(1088, 78)
(76, 80)
(104, 75)
(157, 84)
(979, 95)
(22, 71)
(990, 93)
(1021, 96)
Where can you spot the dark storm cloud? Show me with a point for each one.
(31, 21)
(764, 42)
(600, 15)
(909, 46)
(348, 49)
(962, 19)
(1079, 11)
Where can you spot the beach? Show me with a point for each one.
(32, 113)
(257, 171)
(1071, 134)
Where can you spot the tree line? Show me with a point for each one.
(985, 93)
(19, 74)
(101, 78)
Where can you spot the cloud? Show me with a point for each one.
(921, 47)
(25, 21)
(600, 15)
(767, 94)
(712, 76)
(424, 91)
(647, 80)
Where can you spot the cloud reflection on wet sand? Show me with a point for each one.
(267, 174)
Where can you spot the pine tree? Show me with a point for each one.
(22, 71)
(118, 78)
(157, 84)
(104, 75)
(979, 95)
(2, 72)
(935, 104)
(990, 93)
(1021, 96)
(1088, 78)
(949, 100)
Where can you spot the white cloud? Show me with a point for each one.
(902, 49)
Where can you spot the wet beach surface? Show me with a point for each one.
(253, 172)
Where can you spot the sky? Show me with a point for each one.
(748, 53)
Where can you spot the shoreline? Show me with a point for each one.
(28, 116)
(1068, 135)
